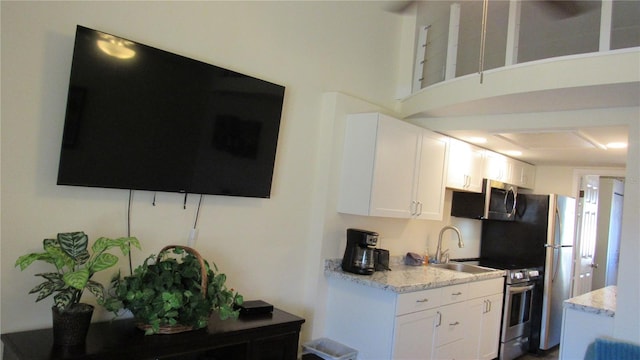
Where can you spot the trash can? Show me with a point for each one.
(329, 350)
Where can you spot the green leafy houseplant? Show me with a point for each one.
(75, 266)
(167, 296)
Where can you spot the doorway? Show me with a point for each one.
(598, 225)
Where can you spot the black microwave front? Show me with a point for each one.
(496, 202)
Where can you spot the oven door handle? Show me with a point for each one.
(519, 289)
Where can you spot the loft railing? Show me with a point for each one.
(457, 38)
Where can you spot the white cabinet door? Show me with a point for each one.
(485, 315)
(490, 327)
(391, 169)
(522, 174)
(496, 167)
(465, 166)
(413, 335)
(394, 170)
(430, 186)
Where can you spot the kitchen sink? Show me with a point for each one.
(460, 267)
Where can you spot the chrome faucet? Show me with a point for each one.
(439, 252)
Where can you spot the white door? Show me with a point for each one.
(586, 239)
(610, 200)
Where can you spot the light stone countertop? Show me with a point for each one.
(403, 278)
(599, 302)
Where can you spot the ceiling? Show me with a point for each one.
(548, 140)
(576, 147)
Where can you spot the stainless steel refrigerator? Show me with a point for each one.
(540, 236)
(558, 266)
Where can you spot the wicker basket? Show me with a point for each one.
(178, 328)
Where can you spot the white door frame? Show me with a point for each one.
(578, 175)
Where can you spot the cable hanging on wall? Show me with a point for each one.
(195, 223)
(129, 228)
(194, 232)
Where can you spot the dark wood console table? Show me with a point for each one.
(263, 337)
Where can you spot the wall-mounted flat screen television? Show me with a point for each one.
(146, 119)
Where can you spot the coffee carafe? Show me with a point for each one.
(359, 255)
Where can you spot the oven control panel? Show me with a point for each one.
(523, 275)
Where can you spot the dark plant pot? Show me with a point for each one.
(70, 327)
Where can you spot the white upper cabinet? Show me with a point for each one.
(523, 174)
(465, 166)
(501, 168)
(391, 169)
(496, 167)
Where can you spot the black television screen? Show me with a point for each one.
(146, 119)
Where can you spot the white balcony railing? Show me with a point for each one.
(467, 37)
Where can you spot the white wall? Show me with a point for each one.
(554, 180)
(628, 296)
(270, 249)
(264, 246)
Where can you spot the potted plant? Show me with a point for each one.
(169, 296)
(75, 265)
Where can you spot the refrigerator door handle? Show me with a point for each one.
(556, 258)
(557, 246)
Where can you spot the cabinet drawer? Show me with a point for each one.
(486, 287)
(454, 293)
(450, 351)
(452, 323)
(417, 301)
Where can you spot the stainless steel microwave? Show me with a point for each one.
(497, 201)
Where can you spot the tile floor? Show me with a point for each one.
(551, 355)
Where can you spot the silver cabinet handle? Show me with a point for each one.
(456, 293)
(416, 208)
(439, 319)
(422, 300)
(454, 324)
(487, 306)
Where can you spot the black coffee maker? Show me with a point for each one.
(359, 256)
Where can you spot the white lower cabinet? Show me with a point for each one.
(414, 334)
(452, 322)
(484, 318)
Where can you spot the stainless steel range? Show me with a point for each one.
(519, 295)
